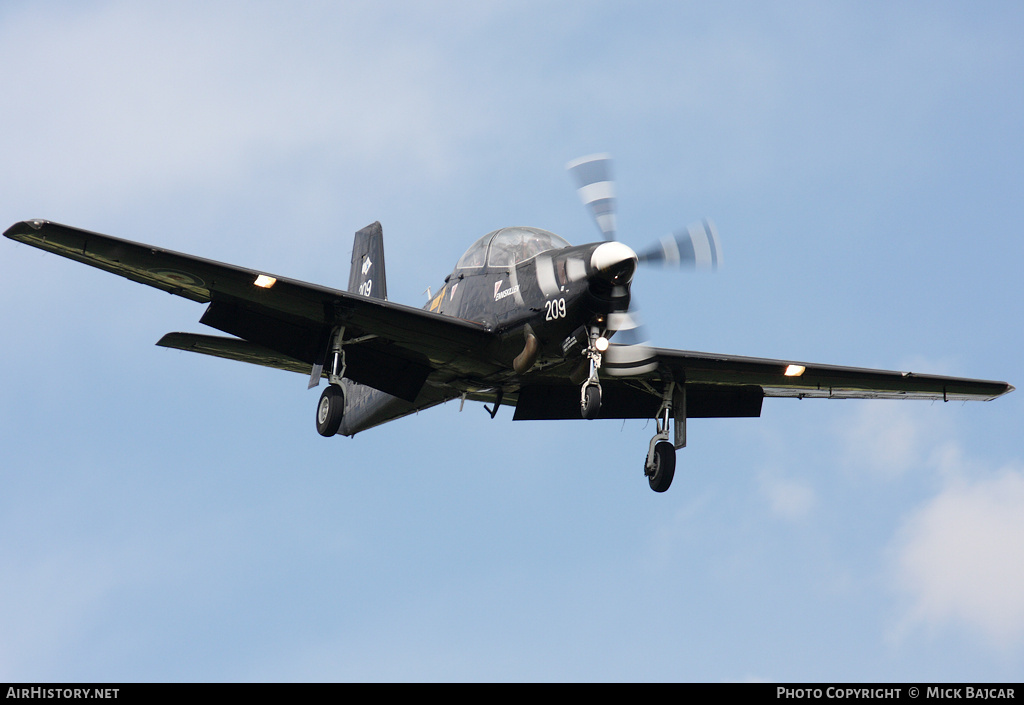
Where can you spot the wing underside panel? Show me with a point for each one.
(621, 400)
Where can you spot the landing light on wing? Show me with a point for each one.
(265, 282)
(795, 370)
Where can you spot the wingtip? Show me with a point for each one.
(24, 226)
(1007, 388)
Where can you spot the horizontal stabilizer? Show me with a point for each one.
(232, 349)
(377, 369)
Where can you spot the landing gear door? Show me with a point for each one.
(679, 415)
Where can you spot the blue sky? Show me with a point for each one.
(165, 516)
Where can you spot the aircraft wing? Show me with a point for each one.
(720, 386)
(786, 378)
(284, 322)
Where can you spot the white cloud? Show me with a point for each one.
(123, 97)
(887, 438)
(960, 558)
(789, 499)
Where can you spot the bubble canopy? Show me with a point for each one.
(508, 246)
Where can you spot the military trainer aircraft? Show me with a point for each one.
(524, 319)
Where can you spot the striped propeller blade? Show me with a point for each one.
(596, 189)
(695, 247)
(629, 353)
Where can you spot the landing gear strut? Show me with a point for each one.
(331, 409)
(660, 466)
(590, 394)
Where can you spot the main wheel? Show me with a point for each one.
(330, 411)
(664, 466)
(590, 404)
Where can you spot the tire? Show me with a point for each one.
(330, 411)
(590, 404)
(664, 466)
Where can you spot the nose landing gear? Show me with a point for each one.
(590, 394)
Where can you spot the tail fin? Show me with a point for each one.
(366, 277)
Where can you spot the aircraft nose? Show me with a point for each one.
(615, 261)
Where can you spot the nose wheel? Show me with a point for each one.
(590, 401)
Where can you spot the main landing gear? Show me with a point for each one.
(331, 409)
(660, 466)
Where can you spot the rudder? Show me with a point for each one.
(367, 277)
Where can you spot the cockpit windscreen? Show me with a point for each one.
(508, 246)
